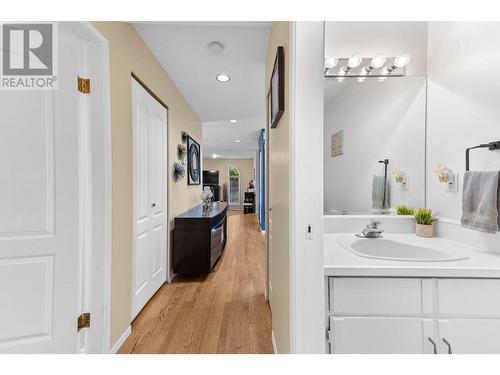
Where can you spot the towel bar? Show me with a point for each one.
(489, 146)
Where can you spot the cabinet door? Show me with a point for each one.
(381, 335)
(469, 336)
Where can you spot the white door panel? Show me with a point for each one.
(39, 212)
(150, 250)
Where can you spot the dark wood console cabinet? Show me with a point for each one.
(199, 240)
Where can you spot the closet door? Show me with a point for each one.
(149, 214)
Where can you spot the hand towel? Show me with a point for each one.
(481, 201)
(380, 194)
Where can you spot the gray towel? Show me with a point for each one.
(481, 201)
(380, 194)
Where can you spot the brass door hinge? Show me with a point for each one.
(84, 85)
(83, 321)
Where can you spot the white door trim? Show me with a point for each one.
(307, 328)
(291, 186)
(97, 151)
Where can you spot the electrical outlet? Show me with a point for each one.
(406, 183)
(309, 232)
(452, 185)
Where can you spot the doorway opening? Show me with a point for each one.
(234, 185)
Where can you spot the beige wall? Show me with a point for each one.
(245, 166)
(128, 53)
(278, 139)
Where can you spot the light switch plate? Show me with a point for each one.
(309, 232)
(452, 185)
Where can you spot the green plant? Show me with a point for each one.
(405, 210)
(425, 216)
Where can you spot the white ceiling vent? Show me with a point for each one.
(215, 48)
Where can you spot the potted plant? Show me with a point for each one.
(405, 210)
(425, 219)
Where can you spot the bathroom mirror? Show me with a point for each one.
(366, 122)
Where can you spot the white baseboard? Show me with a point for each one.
(121, 340)
(273, 341)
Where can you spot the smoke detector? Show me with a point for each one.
(215, 48)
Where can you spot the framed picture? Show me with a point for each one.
(193, 161)
(278, 87)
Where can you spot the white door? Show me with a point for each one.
(39, 212)
(149, 260)
(381, 335)
(469, 336)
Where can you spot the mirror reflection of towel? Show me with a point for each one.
(380, 194)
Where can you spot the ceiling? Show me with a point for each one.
(182, 50)
(219, 138)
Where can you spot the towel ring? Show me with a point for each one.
(490, 146)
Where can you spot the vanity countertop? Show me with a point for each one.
(341, 262)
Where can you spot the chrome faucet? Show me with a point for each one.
(373, 230)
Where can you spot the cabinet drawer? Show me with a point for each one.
(375, 296)
(476, 297)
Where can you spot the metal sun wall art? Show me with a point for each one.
(179, 171)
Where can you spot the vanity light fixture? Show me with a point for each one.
(376, 63)
(399, 62)
(353, 62)
(331, 62)
(357, 66)
(222, 77)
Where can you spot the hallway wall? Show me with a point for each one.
(245, 166)
(279, 257)
(129, 53)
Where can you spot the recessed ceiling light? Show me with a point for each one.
(237, 141)
(223, 78)
(233, 121)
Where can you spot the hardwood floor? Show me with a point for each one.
(223, 312)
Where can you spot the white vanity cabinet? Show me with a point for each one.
(413, 315)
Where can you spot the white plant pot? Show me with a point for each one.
(422, 230)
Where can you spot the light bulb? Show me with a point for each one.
(402, 60)
(331, 62)
(378, 61)
(354, 61)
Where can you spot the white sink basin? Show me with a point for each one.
(390, 249)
